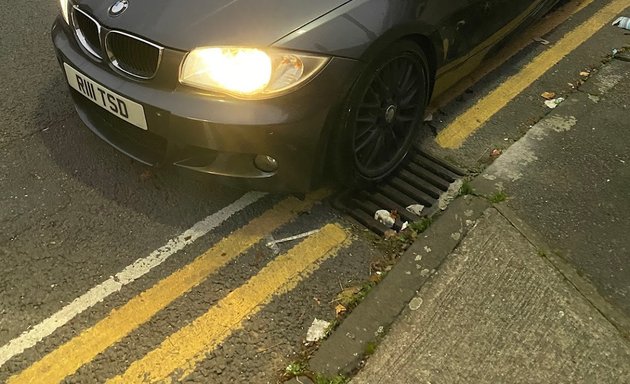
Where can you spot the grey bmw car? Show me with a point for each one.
(273, 94)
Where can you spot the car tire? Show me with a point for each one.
(382, 115)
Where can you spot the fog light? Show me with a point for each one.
(266, 163)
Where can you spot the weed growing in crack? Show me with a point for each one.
(370, 348)
(498, 197)
(466, 189)
(319, 379)
(296, 368)
(422, 225)
(360, 295)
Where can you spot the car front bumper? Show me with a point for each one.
(216, 134)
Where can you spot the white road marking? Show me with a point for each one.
(114, 284)
(520, 156)
(271, 243)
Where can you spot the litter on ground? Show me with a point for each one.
(270, 244)
(416, 209)
(622, 22)
(385, 217)
(541, 41)
(548, 95)
(554, 102)
(317, 331)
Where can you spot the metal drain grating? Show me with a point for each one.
(422, 181)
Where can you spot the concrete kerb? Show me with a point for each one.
(343, 351)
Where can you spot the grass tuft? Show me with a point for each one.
(498, 197)
(422, 225)
(370, 348)
(466, 189)
(319, 379)
(296, 368)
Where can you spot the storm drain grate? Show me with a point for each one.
(422, 181)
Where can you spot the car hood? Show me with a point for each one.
(186, 24)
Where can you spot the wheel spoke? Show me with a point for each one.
(376, 149)
(392, 133)
(391, 77)
(370, 105)
(405, 118)
(376, 94)
(361, 142)
(409, 97)
(368, 118)
(382, 84)
(410, 85)
(410, 106)
(404, 79)
(363, 130)
(411, 81)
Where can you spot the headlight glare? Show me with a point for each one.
(243, 71)
(247, 72)
(64, 9)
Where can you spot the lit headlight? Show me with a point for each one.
(248, 72)
(64, 9)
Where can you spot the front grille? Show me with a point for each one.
(88, 33)
(133, 55)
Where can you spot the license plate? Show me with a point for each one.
(110, 101)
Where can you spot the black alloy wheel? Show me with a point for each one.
(384, 114)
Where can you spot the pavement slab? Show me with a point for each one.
(568, 178)
(499, 312)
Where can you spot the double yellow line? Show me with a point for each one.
(475, 117)
(182, 350)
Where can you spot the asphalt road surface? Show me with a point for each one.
(115, 271)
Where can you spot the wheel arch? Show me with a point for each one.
(334, 141)
(430, 51)
(425, 36)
